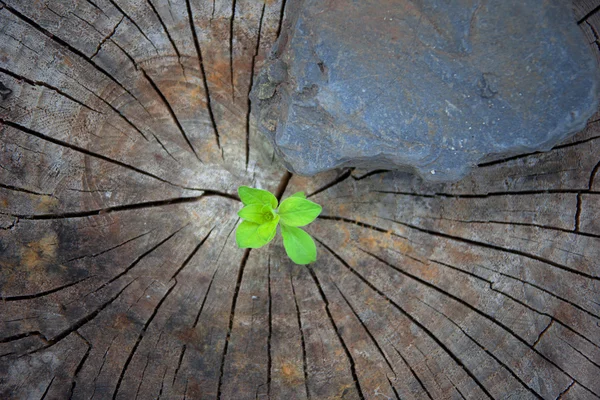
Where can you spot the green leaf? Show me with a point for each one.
(250, 195)
(252, 213)
(267, 230)
(247, 237)
(296, 211)
(257, 213)
(298, 244)
(250, 235)
(299, 194)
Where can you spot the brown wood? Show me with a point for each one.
(122, 144)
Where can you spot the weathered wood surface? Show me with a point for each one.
(122, 143)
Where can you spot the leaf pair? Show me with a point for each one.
(261, 217)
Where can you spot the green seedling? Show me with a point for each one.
(261, 216)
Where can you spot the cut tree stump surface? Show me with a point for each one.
(122, 144)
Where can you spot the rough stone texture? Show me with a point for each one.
(424, 85)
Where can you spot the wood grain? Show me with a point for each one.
(122, 144)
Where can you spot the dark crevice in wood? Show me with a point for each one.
(370, 173)
(578, 142)
(164, 148)
(473, 308)
(138, 259)
(72, 49)
(560, 146)
(54, 12)
(23, 190)
(108, 210)
(580, 353)
(588, 15)
(520, 156)
(248, 102)
(302, 341)
(89, 153)
(203, 73)
(488, 195)
(44, 293)
(109, 249)
(135, 66)
(123, 116)
(413, 372)
(462, 396)
(283, 184)
(409, 317)
(358, 223)
(516, 300)
(107, 37)
(338, 334)
(597, 43)
(580, 321)
(162, 23)
(486, 351)
(270, 334)
(7, 92)
(23, 335)
(368, 332)
(95, 6)
(134, 24)
(47, 388)
(393, 389)
(495, 247)
(212, 278)
(183, 349)
(102, 366)
(593, 176)
(231, 21)
(596, 120)
(12, 225)
(578, 216)
(82, 20)
(80, 364)
(139, 339)
(490, 283)
(281, 14)
(131, 124)
(511, 223)
(526, 282)
(560, 396)
(191, 255)
(162, 383)
(137, 391)
(126, 119)
(433, 373)
(110, 160)
(453, 238)
(342, 177)
(167, 105)
(47, 86)
(81, 322)
(507, 159)
(236, 293)
(171, 112)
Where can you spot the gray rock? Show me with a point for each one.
(433, 86)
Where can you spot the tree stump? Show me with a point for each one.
(125, 132)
